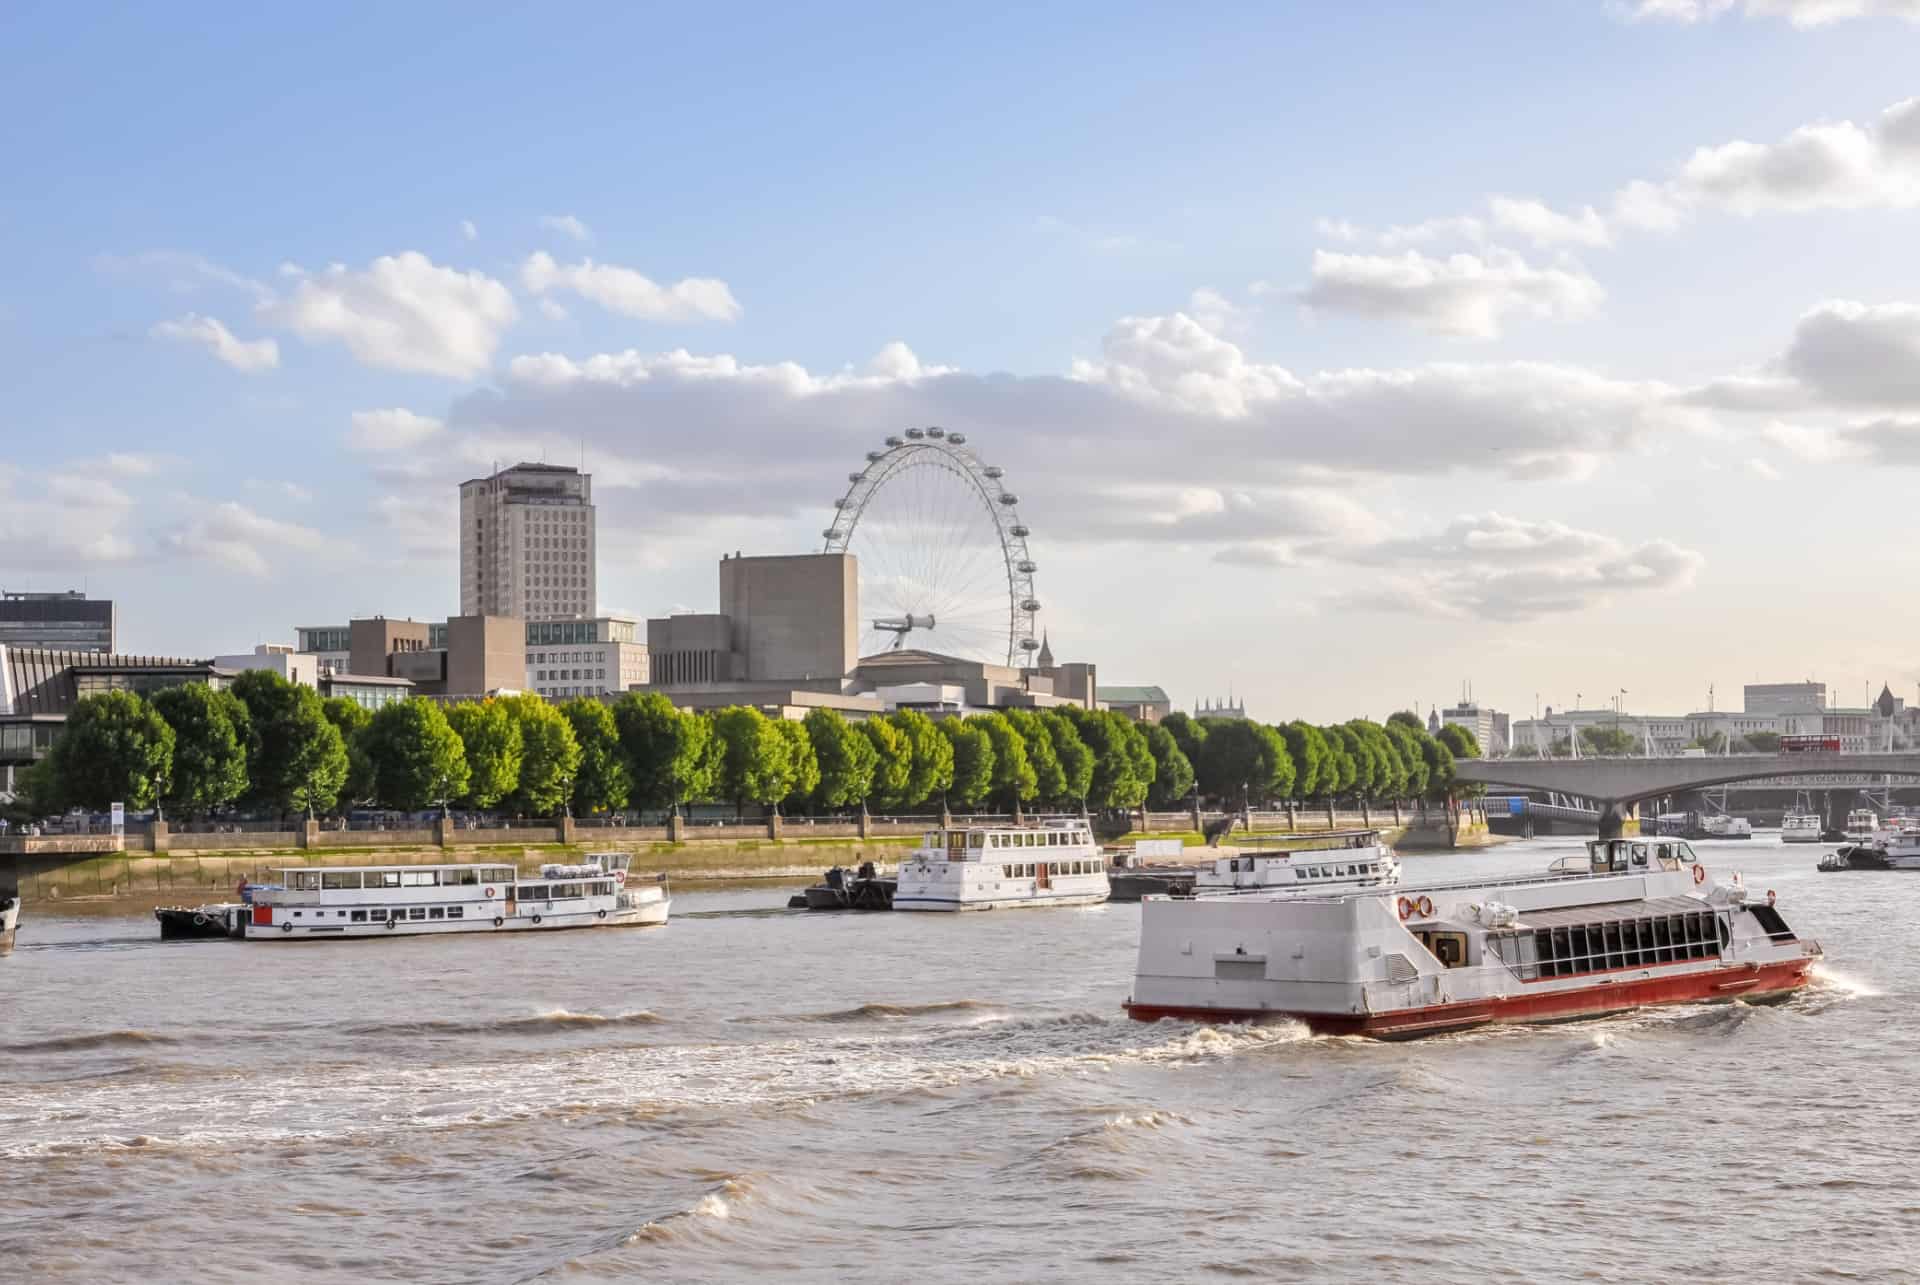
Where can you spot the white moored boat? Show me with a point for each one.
(1643, 924)
(381, 901)
(1360, 861)
(1862, 824)
(995, 867)
(1800, 827)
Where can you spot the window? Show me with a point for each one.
(419, 878)
(387, 878)
(436, 912)
(418, 912)
(534, 892)
(333, 879)
(455, 912)
(305, 881)
(359, 917)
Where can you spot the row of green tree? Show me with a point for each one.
(269, 745)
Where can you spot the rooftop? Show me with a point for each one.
(1133, 695)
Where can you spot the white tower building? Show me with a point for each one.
(527, 544)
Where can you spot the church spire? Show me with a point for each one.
(1046, 651)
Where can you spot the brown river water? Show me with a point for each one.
(752, 1093)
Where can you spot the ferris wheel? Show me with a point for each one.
(941, 549)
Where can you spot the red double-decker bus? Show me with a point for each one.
(1803, 744)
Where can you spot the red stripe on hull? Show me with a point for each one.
(1762, 982)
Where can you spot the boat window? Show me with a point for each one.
(1299, 874)
(931, 839)
(1639, 854)
(306, 881)
(436, 913)
(384, 878)
(977, 841)
(455, 912)
(534, 892)
(467, 875)
(359, 917)
(340, 879)
(506, 874)
(419, 878)
(418, 912)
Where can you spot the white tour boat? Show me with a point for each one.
(381, 901)
(1801, 827)
(995, 867)
(1644, 924)
(1862, 824)
(9, 916)
(1360, 861)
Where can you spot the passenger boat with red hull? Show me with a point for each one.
(1644, 924)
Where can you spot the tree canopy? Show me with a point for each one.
(845, 756)
(1460, 741)
(602, 782)
(892, 764)
(549, 755)
(295, 756)
(1241, 759)
(972, 761)
(114, 749)
(1049, 778)
(209, 754)
(751, 759)
(1172, 772)
(490, 737)
(666, 750)
(415, 757)
(931, 770)
(1014, 778)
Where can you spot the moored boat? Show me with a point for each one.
(1644, 924)
(1801, 827)
(202, 923)
(377, 901)
(9, 916)
(1356, 859)
(995, 867)
(1862, 825)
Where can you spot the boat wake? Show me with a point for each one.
(716, 1206)
(891, 1012)
(80, 1043)
(1832, 981)
(558, 1019)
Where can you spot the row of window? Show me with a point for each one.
(1626, 943)
(562, 675)
(425, 877)
(380, 914)
(1334, 872)
(1030, 870)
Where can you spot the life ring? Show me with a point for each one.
(1426, 907)
(1699, 873)
(620, 877)
(600, 914)
(536, 919)
(1406, 908)
(286, 928)
(497, 921)
(489, 892)
(1772, 896)
(200, 920)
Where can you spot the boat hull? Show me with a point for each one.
(952, 903)
(1751, 983)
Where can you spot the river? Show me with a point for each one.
(749, 1093)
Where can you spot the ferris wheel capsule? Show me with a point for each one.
(936, 433)
(958, 439)
(994, 471)
(915, 434)
(874, 457)
(894, 441)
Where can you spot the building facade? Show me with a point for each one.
(527, 543)
(1141, 704)
(1786, 698)
(294, 666)
(567, 658)
(68, 621)
(1490, 728)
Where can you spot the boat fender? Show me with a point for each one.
(1406, 908)
(602, 914)
(1426, 907)
(536, 919)
(286, 928)
(200, 920)
(1699, 874)
(489, 892)
(497, 921)
(1772, 896)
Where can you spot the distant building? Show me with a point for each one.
(294, 666)
(330, 645)
(1858, 730)
(1228, 708)
(1490, 728)
(368, 690)
(563, 658)
(462, 657)
(68, 621)
(39, 687)
(527, 543)
(567, 658)
(1141, 704)
(1785, 698)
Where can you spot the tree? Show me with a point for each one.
(932, 769)
(209, 757)
(601, 783)
(1014, 780)
(1711, 742)
(1188, 733)
(802, 764)
(666, 749)
(1357, 777)
(1406, 718)
(752, 758)
(1122, 764)
(1460, 742)
(491, 737)
(1607, 742)
(893, 763)
(1405, 745)
(1439, 764)
(1308, 750)
(973, 760)
(1527, 751)
(845, 756)
(1049, 777)
(1341, 770)
(1245, 761)
(549, 755)
(296, 758)
(350, 719)
(1172, 773)
(1763, 742)
(415, 757)
(1076, 759)
(1389, 778)
(114, 749)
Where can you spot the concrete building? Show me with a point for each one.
(527, 543)
(330, 645)
(1141, 704)
(1786, 698)
(1489, 727)
(68, 621)
(567, 658)
(1859, 731)
(370, 691)
(39, 686)
(294, 666)
(464, 656)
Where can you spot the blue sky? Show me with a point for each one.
(1147, 259)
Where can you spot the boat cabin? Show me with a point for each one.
(1628, 856)
(1357, 859)
(1055, 841)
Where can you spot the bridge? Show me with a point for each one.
(1617, 784)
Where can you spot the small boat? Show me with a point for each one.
(313, 902)
(203, 923)
(863, 889)
(1801, 827)
(1358, 861)
(1695, 825)
(9, 916)
(990, 867)
(1854, 856)
(1644, 924)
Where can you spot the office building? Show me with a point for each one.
(1489, 727)
(567, 658)
(527, 543)
(330, 645)
(68, 621)
(294, 666)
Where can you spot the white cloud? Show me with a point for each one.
(552, 311)
(1829, 166)
(1215, 311)
(1763, 469)
(1855, 354)
(1178, 363)
(1751, 393)
(420, 524)
(249, 356)
(1463, 228)
(394, 429)
(62, 522)
(182, 270)
(236, 537)
(1463, 294)
(293, 491)
(1886, 441)
(568, 226)
(128, 463)
(631, 294)
(468, 230)
(1549, 227)
(402, 313)
(1336, 229)
(1801, 13)
(1816, 444)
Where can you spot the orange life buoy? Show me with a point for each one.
(1426, 907)
(1699, 873)
(1406, 908)
(489, 892)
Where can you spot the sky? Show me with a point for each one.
(1341, 355)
